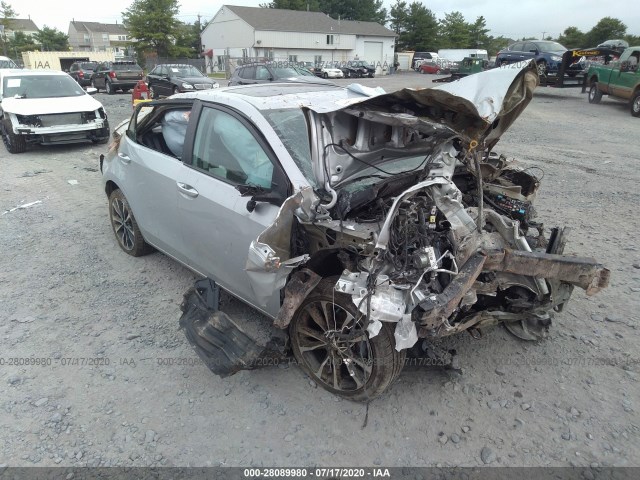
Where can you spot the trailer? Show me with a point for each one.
(62, 60)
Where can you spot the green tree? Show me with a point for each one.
(363, 10)
(187, 40)
(7, 15)
(607, 28)
(479, 34)
(153, 24)
(454, 31)
(398, 16)
(52, 39)
(421, 32)
(572, 37)
(21, 42)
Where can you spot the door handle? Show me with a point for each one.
(124, 158)
(187, 190)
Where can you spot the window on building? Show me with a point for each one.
(329, 39)
(317, 59)
(244, 53)
(86, 38)
(105, 37)
(293, 58)
(270, 54)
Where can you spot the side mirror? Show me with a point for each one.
(92, 91)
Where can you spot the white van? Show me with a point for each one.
(458, 54)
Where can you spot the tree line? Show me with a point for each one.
(155, 26)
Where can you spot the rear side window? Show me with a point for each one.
(517, 47)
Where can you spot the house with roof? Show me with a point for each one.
(295, 36)
(24, 25)
(99, 37)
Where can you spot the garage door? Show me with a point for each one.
(373, 52)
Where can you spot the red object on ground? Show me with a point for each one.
(140, 93)
(429, 68)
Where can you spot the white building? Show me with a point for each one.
(295, 36)
(99, 37)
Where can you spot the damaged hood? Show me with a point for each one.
(477, 108)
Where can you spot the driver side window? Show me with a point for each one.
(226, 149)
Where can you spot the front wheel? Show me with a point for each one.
(635, 105)
(542, 68)
(332, 347)
(595, 95)
(125, 226)
(14, 143)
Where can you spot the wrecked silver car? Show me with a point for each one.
(360, 221)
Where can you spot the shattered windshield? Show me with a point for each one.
(291, 127)
(40, 86)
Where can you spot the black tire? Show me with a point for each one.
(635, 104)
(14, 143)
(347, 74)
(125, 227)
(93, 84)
(109, 88)
(325, 75)
(595, 95)
(373, 363)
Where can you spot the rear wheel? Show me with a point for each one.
(109, 88)
(331, 346)
(325, 75)
(635, 105)
(595, 95)
(14, 143)
(125, 226)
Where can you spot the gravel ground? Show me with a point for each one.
(121, 386)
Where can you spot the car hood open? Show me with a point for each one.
(478, 109)
(43, 106)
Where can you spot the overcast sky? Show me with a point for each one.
(510, 18)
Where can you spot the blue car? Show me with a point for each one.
(547, 54)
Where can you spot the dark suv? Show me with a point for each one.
(265, 72)
(117, 75)
(547, 54)
(170, 79)
(81, 72)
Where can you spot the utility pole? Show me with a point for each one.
(543, 35)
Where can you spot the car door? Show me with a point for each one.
(153, 78)
(147, 177)
(627, 77)
(530, 50)
(99, 77)
(217, 222)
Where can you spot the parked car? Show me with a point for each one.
(420, 57)
(6, 62)
(361, 68)
(618, 45)
(429, 67)
(547, 54)
(267, 73)
(328, 71)
(81, 72)
(619, 79)
(169, 79)
(116, 75)
(339, 215)
(47, 107)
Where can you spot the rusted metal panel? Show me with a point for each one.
(300, 284)
(583, 272)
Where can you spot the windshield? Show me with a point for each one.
(284, 72)
(187, 71)
(40, 86)
(291, 127)
(549, 46)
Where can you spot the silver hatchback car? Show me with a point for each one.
(351, 217)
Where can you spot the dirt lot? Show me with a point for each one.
(121, 386)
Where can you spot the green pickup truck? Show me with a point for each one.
(620, 78)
